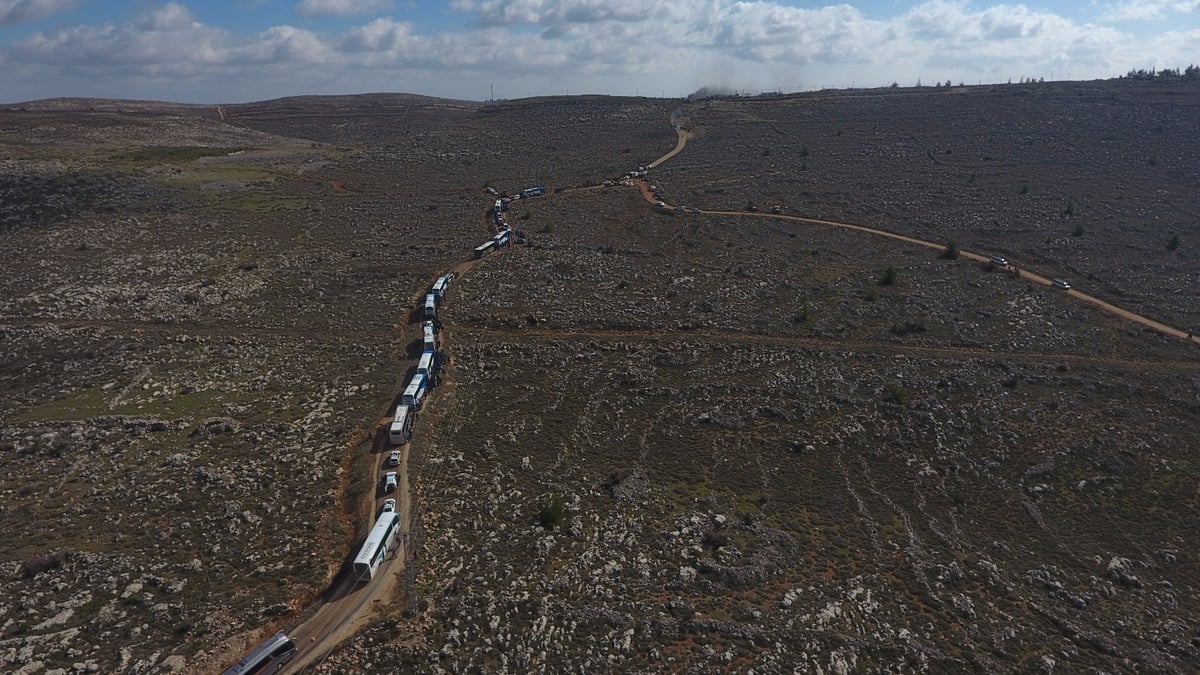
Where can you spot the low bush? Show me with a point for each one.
(44, 562)
(553, 513)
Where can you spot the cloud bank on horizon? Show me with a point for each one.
(243, 50)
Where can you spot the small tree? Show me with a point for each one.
(951, 251)
(1173, 242)
(889, 277)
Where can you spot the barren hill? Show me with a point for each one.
(668, 440)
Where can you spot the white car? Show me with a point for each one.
(389, 506)
(393, 458)
(1062, 283)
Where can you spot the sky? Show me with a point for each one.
(228, 51)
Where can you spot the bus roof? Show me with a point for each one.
(376, 537)
(259, 652)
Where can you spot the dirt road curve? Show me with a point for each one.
(1108, 307)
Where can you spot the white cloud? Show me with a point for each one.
(13, 12)
(171, 16)
(550, 46)
(166, 40)
(1147, 10)
(550, 12)
(342, 7)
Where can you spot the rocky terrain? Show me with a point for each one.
(667, 442)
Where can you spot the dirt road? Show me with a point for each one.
(349, 603)
(1022, 273)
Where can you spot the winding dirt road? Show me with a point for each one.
(684, 136)
(349, 604)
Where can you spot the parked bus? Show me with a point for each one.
(415, 391)
(439, 286)
(484, 248)
(401, 427)
(425, 363)
(268, 657)
(430, 305)
(374, 549)
(429, 337)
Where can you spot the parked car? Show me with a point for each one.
(394, 458)
(999, 260)
(1061, 283)
(389, 506)
(390, 480)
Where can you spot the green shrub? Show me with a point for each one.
(1173, 242)
(951, 251)
(553, 513)
(895, 393)
(806, 313)
(889, 277)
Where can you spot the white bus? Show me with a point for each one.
(415, 391)
(402, 422)
(268, 657)
(439, 286)
(429, 342)
(484, 248)
(375, 548)
(425, 363)
(430, 305)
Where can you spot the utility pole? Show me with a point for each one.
(492, 94)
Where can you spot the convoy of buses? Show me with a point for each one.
(272, 655)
